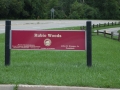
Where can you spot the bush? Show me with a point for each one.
(74, 15)
(91, 12)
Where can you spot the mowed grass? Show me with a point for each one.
(66, 68)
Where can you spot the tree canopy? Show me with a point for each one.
(64, 9)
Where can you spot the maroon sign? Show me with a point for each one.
(48, 39)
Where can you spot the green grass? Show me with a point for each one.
(64, 67)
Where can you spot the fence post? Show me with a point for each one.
(111, 35)
(104, 24)
(104, 33)
(108, 23)
(7, 42)
(112, 23)
(97, 25)
(93, 25)
(119, 37)
(97, 32)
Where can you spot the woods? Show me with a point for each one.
(64, 9)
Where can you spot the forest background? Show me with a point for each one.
(64, 9)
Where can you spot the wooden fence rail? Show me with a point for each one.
(101, 25)
(104, 32)
(105, 24)
(108, 33)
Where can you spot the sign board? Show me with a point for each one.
(48, 40)
(52, 10)
(52, 13)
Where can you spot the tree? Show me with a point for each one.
(67, 6)
(16, 8)
(36, 9)
(90, 12)
(76, 10)
(4, 8)
(108, 9)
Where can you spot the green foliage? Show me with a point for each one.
(60, 14)
(109, 9)
(74, 9)
(90, 12)
(15, 8)
(4, 8)
(74, 15)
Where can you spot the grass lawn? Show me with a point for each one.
(66, 68)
